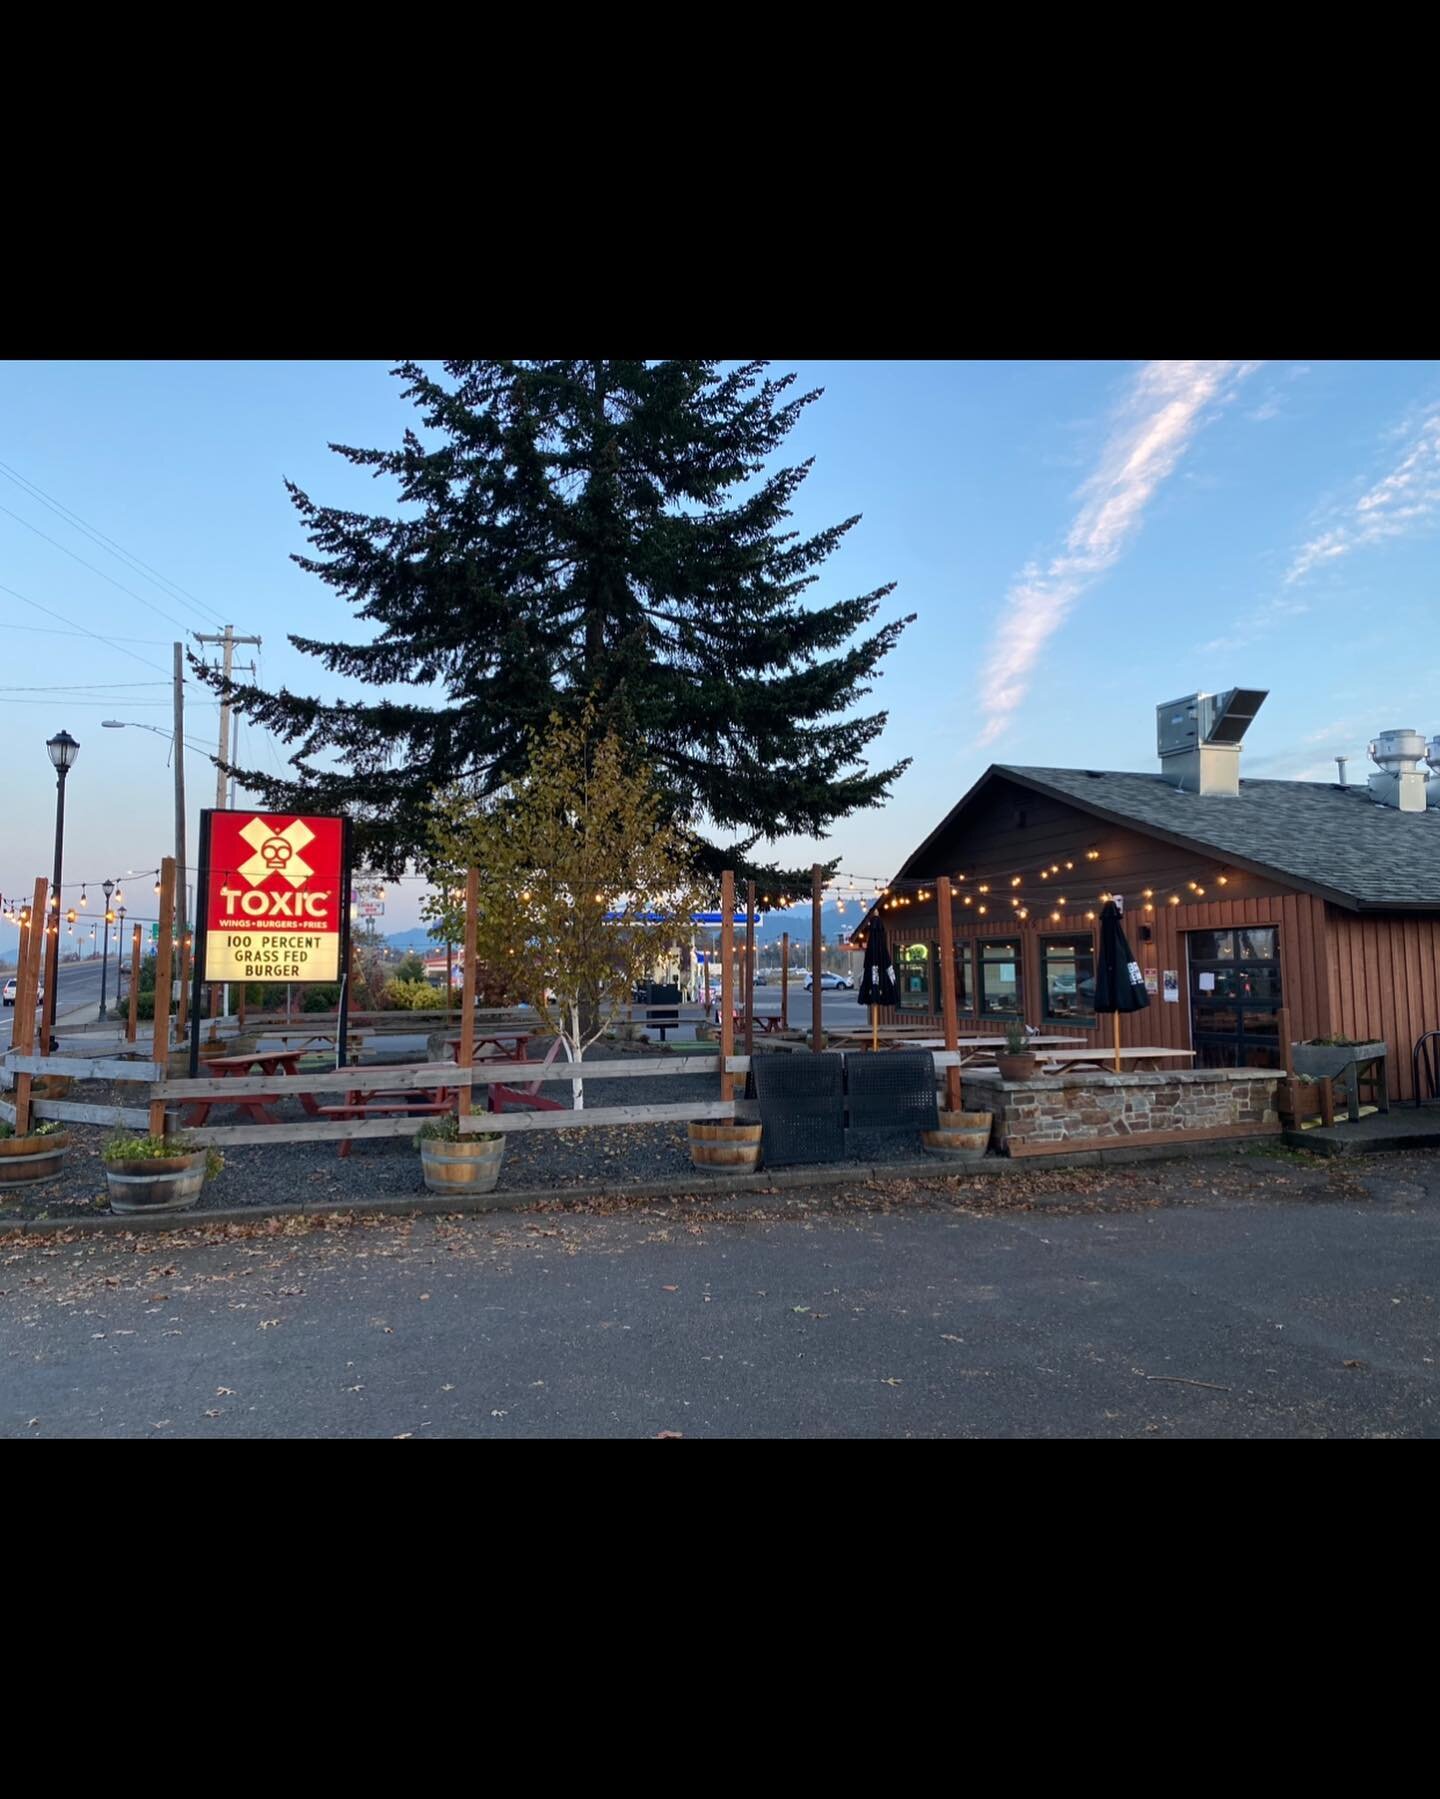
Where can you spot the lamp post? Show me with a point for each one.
(107, 888)
(119, 959)
(63, 750)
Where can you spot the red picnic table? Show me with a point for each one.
(498, 1094)
(409, 1102)
(276, 1064)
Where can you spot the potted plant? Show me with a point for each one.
(962, 1136)
(156, 1174)
(1302, 1096)
(456, 1164)
(724, 1143)
(37, 1156)
(1331, 1056)
(1018, 1061)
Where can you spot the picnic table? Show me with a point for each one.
(276, 1064)
(410, 1102)
(506, 1043)
(1144, 1060)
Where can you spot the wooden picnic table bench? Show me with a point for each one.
(278, 1063)
(423, 1102)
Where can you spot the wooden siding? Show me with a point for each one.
(1384, 974)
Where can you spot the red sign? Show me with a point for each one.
(274, 908)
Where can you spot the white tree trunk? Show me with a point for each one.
(574, 1051)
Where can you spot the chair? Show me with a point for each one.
(802, 1107)
(894, 1092)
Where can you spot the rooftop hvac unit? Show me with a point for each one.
(1198, 738)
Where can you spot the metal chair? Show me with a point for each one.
(1425, 1061)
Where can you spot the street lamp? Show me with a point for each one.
(107, 888)
(119, 959)
(63, 750)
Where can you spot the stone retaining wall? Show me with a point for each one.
(1055, 1113)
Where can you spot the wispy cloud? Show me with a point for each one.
(1398, 505)
(1166, 405)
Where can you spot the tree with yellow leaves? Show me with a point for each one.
(583, 885)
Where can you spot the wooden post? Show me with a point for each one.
(450, 970)
(817, 948)
(947, 988)
(466, 1057)
(160, 1042)
(130, 1022)
(749, 968)
(727, 980)
(240, 1007)
(182, 1012)
(31, 961)
(784, 980)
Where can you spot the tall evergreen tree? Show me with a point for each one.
(574, 531)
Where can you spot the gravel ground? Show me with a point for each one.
(389, 1168)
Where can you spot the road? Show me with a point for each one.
(1263, 1299)
(79, 986)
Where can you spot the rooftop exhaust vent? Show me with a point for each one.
(1402, 780)
(1199, 736)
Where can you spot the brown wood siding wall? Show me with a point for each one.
(1385, 977)
(1360, 976)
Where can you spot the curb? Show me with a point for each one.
(725, 1186)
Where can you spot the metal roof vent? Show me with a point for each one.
(1198, 738)
(1402, 781)
(1432, 756)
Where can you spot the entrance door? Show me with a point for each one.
(1235, 997)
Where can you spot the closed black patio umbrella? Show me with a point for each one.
(877, 979)
(1119, 982)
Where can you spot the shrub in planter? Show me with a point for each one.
(37, 1156)
(456, 1164)
(1018, 1061)
(156, 1174)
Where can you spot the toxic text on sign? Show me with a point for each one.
(274, 907)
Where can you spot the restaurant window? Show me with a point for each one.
(912, 972)
(1067, 979)
(1001, 992)
(965, 979)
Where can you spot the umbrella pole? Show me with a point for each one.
(875, 1027)
(1117, 1043)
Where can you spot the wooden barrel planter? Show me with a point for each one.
(963, 1136)
(471, 1165)
(168, 1184)
(725, 1145)
(24, 1160)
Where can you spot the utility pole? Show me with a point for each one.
(178, 756)
(227, 643)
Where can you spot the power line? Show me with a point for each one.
(159, 610)
(50, 631)
(97, 536)
(83, 687)
(112, 642)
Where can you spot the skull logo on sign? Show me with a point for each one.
(276, 852)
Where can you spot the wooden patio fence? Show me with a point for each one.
(464, 1075)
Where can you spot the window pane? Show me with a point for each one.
(1257, 983)
(1212, 946)
(1068, 978)
(1001, 993)
(912, 970)
(1258, 943)
(965, 979)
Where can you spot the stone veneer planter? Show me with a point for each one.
(1054, 1114)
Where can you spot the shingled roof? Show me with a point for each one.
(1331, 840)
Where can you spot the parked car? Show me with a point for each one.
(828, 980)
(10, 992)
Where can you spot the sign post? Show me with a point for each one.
(274, 904)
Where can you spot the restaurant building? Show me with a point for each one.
(1240, 897)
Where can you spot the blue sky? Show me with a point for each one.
(1079, 540)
